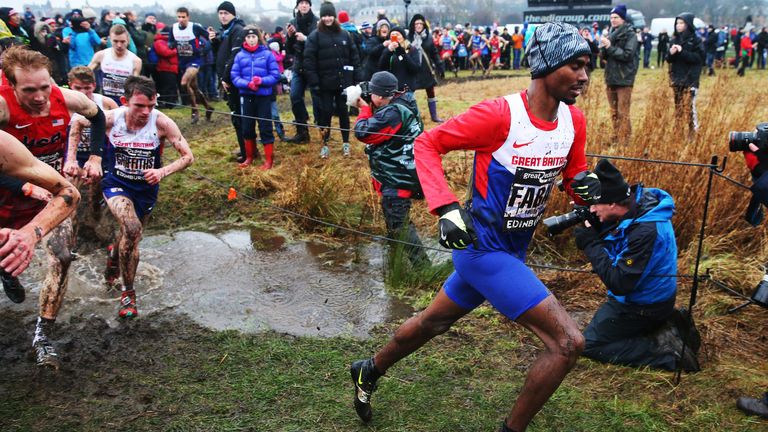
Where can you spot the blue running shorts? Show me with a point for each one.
(499, 277)
(144, 197)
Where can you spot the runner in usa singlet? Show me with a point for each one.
(45, 137)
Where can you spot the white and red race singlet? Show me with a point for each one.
(518, 158)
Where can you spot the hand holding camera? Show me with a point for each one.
(456, 228)
(754, 141)
(585, 236)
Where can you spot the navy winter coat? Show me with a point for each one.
(260, 62)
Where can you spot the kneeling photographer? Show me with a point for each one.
(633, 253)
(755, 148)
(388, 124)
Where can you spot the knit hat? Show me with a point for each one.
(343, 17)
(552, 45)
(150, 14)
(299, 1)
(250, 31)
(382, 22)
(89, 13)
(383, 84)
(274, 46)
(366, 25)
(620, 10)
(327, 9)
(227, 6)
(613, 188)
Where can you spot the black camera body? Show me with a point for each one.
(559, 223)
(366, 94)
(739, 141)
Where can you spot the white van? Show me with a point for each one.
(668, 24)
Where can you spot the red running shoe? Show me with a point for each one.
(128, 305)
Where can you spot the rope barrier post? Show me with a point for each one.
(713, 169)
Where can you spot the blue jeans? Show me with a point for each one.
(710, 60)
(276, 117)
(516, 56)
(298, 107)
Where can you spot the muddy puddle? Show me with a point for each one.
(245, 280)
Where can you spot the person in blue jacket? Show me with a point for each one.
(82, 42)
(634, 253)
(255, 72)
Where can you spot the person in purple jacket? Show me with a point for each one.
(255, 72)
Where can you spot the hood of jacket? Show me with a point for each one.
(414, 19)
(652, 205)
(688, 18)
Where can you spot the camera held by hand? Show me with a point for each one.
(739, 141)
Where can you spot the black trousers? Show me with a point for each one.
(166, 86)
(331, 103)
(623, 334)
(233, 103)
(399, 226)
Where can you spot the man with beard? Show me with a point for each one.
(298, 29)
(37, 114)
(522, 142)
(226, 43)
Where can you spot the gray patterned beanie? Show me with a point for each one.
(552, 45)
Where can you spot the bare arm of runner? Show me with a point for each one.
(96, 60)
(4, 115)
(79, 103)
(136, 66)
(169, 132)
(71, 167)
(17, 246)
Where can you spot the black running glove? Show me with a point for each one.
(587, 186)
(456, 229)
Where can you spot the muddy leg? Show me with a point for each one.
(58, 246)
(129, 237)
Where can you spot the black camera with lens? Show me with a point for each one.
(559, 223)
(739, 141)
(366, 94)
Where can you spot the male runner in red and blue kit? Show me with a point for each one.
(522, 142)
(36, 112)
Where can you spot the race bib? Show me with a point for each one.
(184, 49)
(84, 145)
(113, 85)
(528, 198)
(55, 160)
(131, 163)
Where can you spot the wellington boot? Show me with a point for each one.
(250, 144)
(267, 157)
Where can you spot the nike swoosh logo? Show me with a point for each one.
(443, 236)
(360, 377)
(23, 126)
(518, 145)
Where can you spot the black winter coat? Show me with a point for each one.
(428, 59)
(304, 24)
(331, 60)
(404, 65)
(685, 66)
(372, 49)
(227, 44)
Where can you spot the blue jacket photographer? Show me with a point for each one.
(635, 255)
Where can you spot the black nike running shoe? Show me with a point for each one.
(45, 353)
(365, 384)
(12, 287)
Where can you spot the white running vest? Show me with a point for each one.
(134, 151)
(115, 72)
(535, 157)
(184, 40)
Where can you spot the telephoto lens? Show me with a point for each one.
(559, 223)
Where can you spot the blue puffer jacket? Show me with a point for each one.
(646, 245)
(248, 64)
